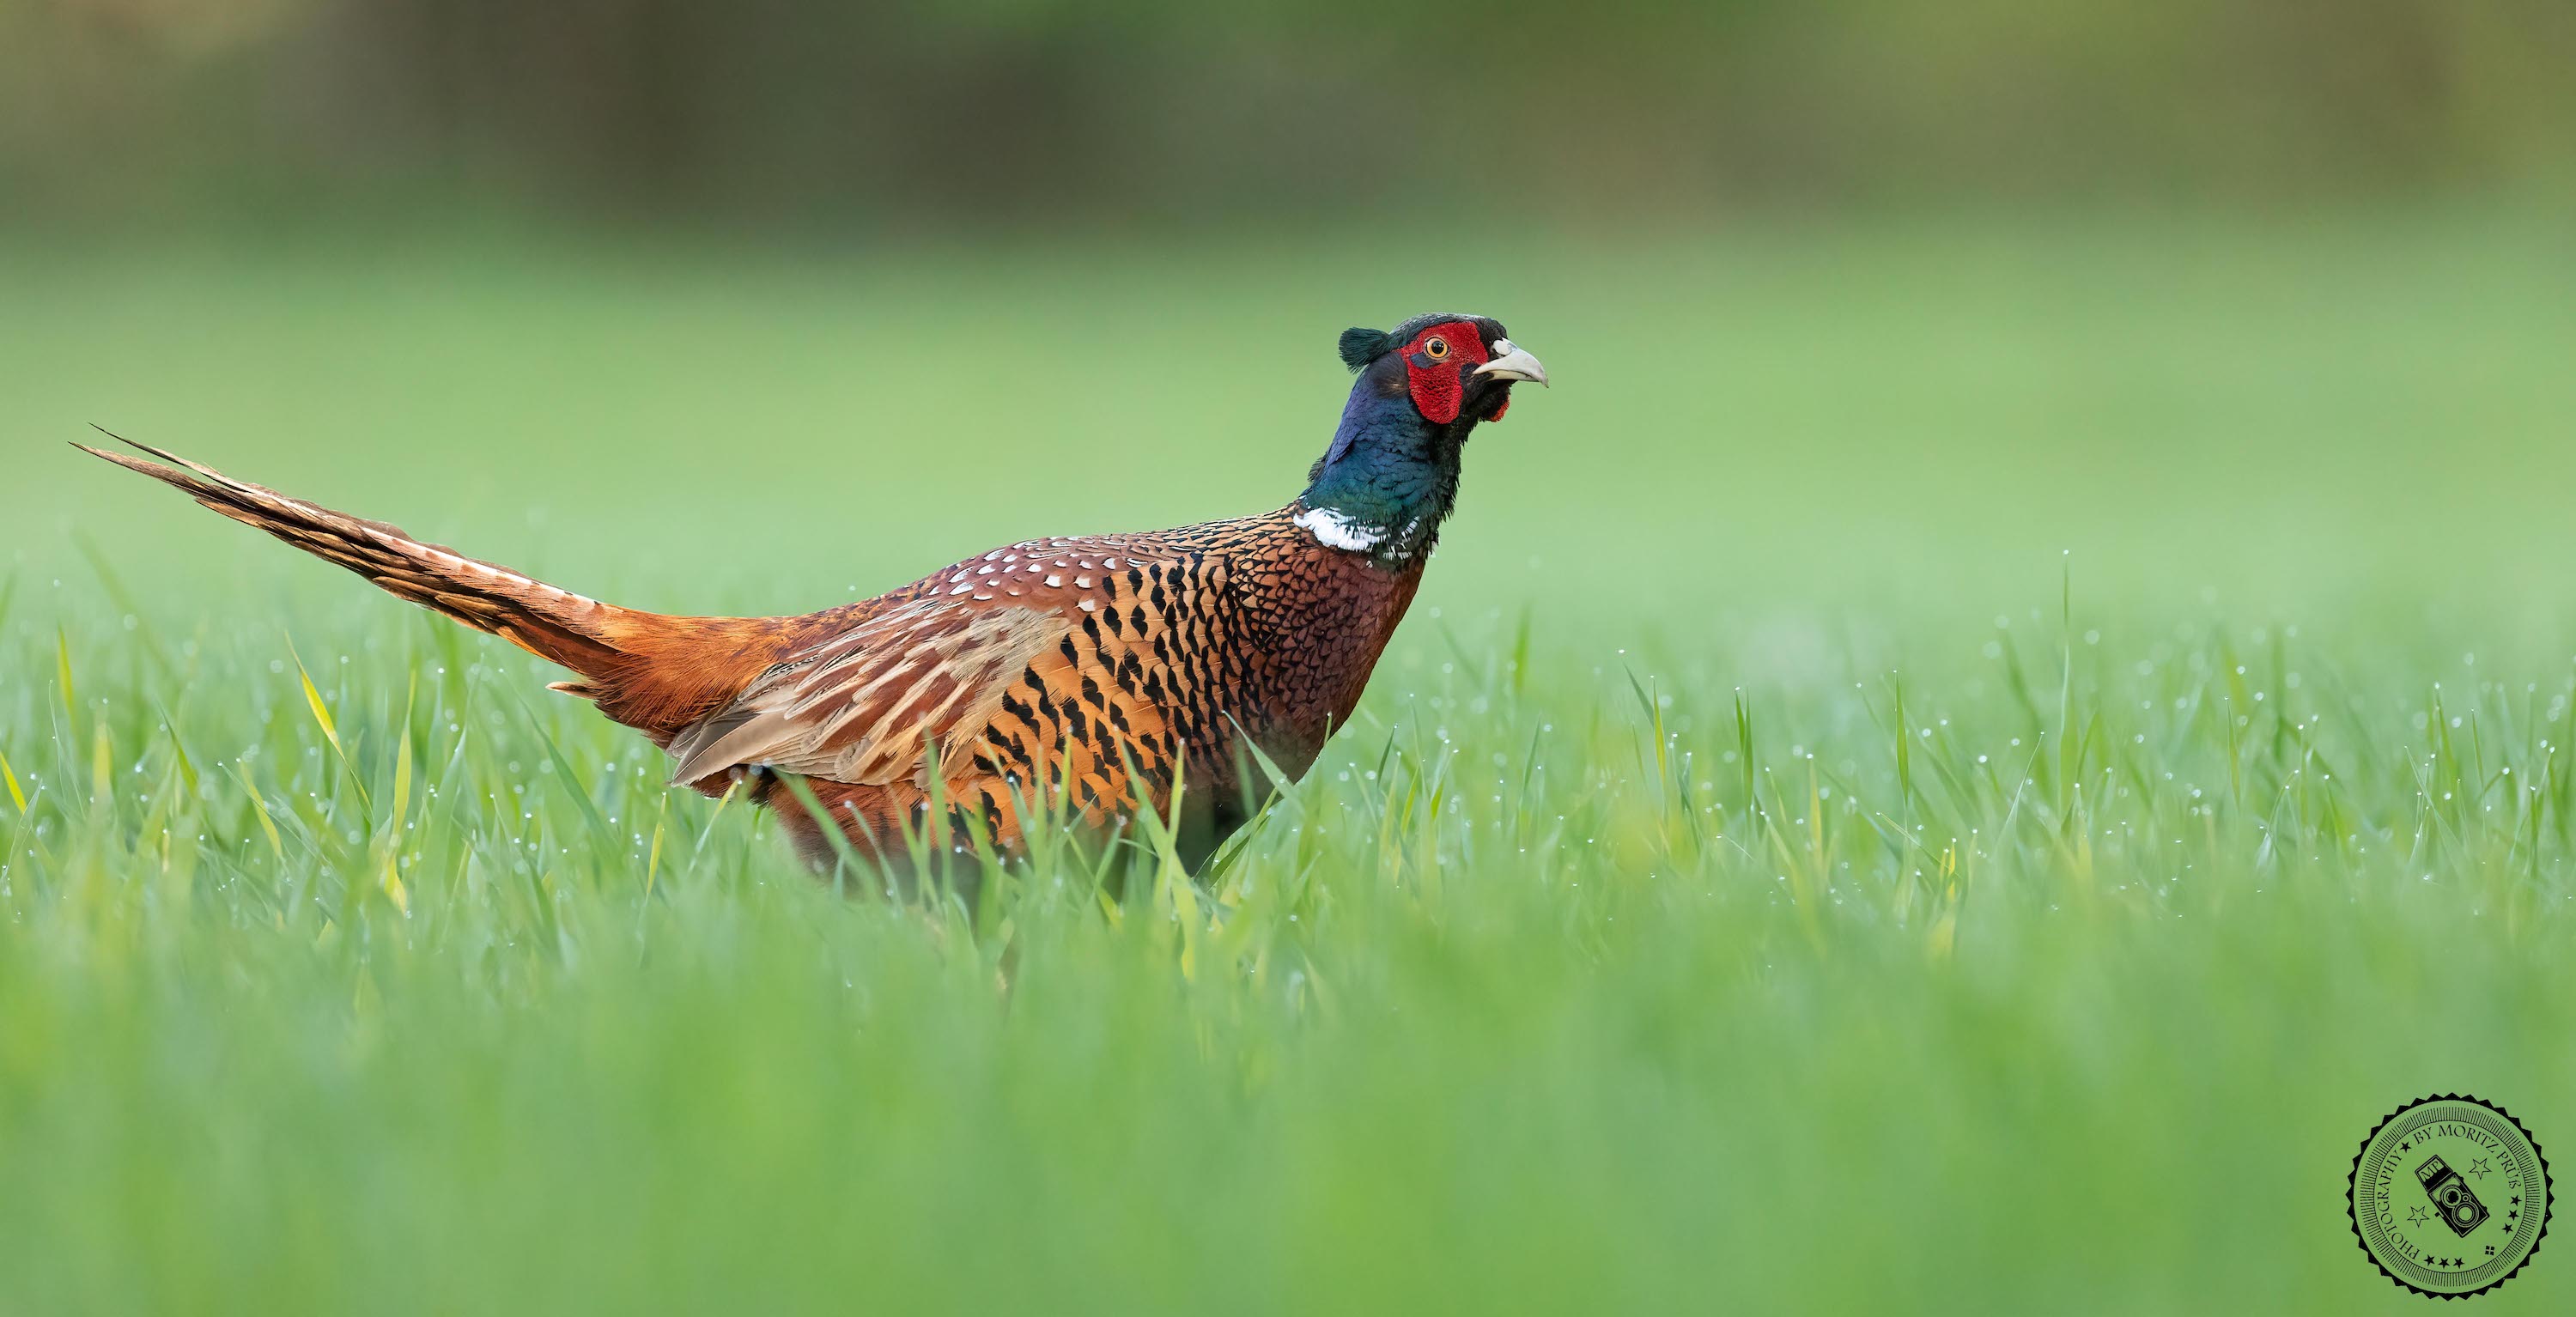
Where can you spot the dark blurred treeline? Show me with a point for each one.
(1029, 112)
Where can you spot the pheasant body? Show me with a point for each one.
(1095, 674)
(1106, 666)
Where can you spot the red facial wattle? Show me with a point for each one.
(1439, 383)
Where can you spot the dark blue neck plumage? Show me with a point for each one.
(1390, 474)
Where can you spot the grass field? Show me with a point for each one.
(1955, 766)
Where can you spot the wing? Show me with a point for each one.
(1052, 664)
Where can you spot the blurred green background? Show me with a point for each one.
(1042, 114)
(2198, 290)
(2007, 705)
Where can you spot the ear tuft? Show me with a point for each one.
(1362, 346)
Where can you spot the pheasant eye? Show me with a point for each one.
(1435, 348)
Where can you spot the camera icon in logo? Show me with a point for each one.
(2451, 1196)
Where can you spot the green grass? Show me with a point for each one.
(1948, 767)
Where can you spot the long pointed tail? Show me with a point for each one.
(651, 671)
(580, 633)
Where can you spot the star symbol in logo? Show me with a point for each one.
(2416, 1216)
(2479, 1168)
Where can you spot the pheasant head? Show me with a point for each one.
(1391, 475)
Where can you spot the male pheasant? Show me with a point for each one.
(1110, 668)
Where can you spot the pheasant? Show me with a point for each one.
(1092, 674)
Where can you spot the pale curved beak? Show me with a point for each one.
(1510, 362)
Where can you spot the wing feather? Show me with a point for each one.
(860, 706)
(1033, 669)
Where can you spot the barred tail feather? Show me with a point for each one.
(580, 633)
